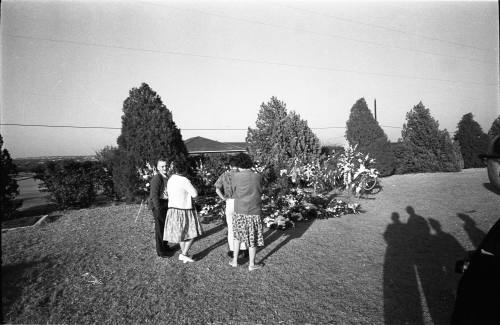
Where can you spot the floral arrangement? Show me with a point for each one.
(207, 177)
(317, 173)
(338, 208)
(352, 165)
(145, 175)
(283, 211)
(211, 206)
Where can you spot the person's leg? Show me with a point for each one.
(236, 251)
(229, 220)
(187, 246)
(256, 239)
(161, 218)
(159, 231)
(251, 255)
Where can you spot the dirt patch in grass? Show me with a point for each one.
(382, 266)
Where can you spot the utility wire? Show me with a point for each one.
(233, 59)
(357, 22)
(300, 30)
(191, 129)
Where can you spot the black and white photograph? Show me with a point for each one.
(250, 162)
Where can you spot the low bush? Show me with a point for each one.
(106, 157)
(72, 183)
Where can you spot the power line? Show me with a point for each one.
(62, 126)
(233, 59)
(187, 129)
(319, 34)
(388, 28)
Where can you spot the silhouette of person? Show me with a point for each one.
(475, 234)
(437, 275)
(401, 296)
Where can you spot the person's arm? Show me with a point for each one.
(190, 188)
(219, 193)
(218, 187)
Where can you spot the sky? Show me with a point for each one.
(72, 63)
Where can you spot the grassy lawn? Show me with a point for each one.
(391, 264)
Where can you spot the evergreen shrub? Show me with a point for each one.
(71, 183)
(8, 184)
(472, 140)
(495, 128)
(148, 133)
(365, 132)
(425, 148)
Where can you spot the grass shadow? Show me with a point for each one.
(290, 234)
(206, 251)
(491, 188)
(14, 276)
(475, 234)
(37, 210)
(419, 267)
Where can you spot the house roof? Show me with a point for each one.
(199, 145)
(242, 145)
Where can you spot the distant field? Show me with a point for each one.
(29, 164)
(392, 264)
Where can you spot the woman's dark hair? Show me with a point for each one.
(181, 169)
(233, 161)
(243, 161)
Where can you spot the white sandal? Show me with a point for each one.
(185, 258)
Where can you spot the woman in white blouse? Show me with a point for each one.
(181, 225)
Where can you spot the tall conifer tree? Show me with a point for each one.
(363, 130)
(431, 148)
(148, 133)
(473, 141)
(279, 136)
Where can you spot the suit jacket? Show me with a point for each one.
(156, 191)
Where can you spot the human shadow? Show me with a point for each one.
(491, 188)
(402, 304)
(475, 234)
(289, 234)
(437, 274)
(419, 270)
(206, 251)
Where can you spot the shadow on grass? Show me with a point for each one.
(36, 210)
(14, 277)
(289, 234)
(419, 273)
(207, 250)
(491, 188)
(475, 234)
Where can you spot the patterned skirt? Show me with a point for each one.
(181, 225)
(248, 228)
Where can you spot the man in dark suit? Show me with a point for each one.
(159, 200)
